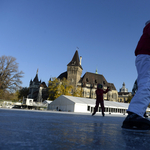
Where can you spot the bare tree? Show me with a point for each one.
(9, 74)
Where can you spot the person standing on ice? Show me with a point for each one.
(141, 99)
(99, 98)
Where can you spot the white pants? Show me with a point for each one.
(141, 100)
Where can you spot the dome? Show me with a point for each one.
(123, 89)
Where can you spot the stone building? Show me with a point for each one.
(123, 94)
(38, 90)
(88, 83)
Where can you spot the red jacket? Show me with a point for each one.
(143, 46)
(99, 94)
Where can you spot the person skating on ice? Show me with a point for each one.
(141, 99)
(99, 98)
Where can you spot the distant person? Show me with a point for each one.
(99, 98)
(135, 87)
(141, 100)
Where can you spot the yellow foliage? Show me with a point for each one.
(54, 89)
(63, 87)
(57, 88)
(77, 92)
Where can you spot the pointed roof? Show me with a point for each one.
(75, 60)
(36, 79)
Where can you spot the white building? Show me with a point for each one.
(79, 104)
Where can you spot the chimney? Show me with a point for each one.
(80, 59)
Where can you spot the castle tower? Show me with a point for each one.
(34, 87)
(74, 69)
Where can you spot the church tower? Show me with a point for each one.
(74, 69)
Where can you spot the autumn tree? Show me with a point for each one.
(9, 74)
(54, 89)
(57, 88)
(65, 87)
(7, 95)
(77, 92)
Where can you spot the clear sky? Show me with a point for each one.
(44, 35)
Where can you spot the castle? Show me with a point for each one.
(88, 83)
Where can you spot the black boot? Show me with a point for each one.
(103, 114)
(134, 121)
(93, 113)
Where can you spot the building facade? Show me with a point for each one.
(87, 83)
(123, 94)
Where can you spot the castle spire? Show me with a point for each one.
(37, 71)
(36, 77)
(75, 60)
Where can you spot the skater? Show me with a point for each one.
(141, 100)
(134, 89)
(99, 98)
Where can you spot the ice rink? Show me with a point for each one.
(47, 130)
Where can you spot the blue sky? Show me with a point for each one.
(44, 35)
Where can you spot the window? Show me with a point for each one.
(114, 96)
(106, 109)
(100, 109)
(92, 109)
(87, 94)
(88, 108)
(87, 80)
(73, 62)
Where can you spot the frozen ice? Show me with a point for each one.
(52, 130)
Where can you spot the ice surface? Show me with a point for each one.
(37, 130)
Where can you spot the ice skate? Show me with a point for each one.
(135, 122)
(103, 114)
(93, 113)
